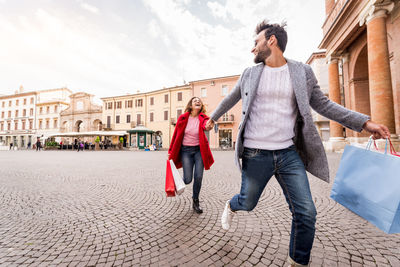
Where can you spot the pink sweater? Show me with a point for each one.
(191, 136)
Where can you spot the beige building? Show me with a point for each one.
(317, 61)
(49, 105)
(26, 115)
(149, 117)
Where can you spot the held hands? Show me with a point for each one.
(377, 130)
(209, 125)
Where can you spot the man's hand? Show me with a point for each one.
(209, 125)
(377, 130)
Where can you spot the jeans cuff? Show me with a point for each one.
(295, 264)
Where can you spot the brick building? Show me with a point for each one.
(363, 38)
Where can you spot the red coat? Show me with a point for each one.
(176, 142)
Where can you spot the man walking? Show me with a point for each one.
(277, 135)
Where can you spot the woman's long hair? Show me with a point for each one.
(189, 105)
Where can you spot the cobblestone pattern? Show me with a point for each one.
(110, 209)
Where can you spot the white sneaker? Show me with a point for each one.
(227, 216)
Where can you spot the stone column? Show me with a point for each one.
(336, 140)
(380, 81)
(336, 130)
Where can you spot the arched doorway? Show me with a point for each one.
(78, 126)
(98, 125)
(359, 86)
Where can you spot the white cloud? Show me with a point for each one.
(90, 8)
(53, 47)
(217, 10)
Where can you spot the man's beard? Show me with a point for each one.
(262, 56)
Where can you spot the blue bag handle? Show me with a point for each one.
(368, 147)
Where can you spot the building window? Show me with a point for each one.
(16, 113)
(225, 117)
(3, 104)
(17, 102)
(23, 125)
(9, 126)
(47, 110)
(55, 124)
(31, 100)
(47, 124)
(109, 105)
(203, 92)
(16, 125)
(24, 112)
(165, 115)
(30, 124)
(224, 90)
(178, 113)
(31, 112)
(138, 119)
(9, 103)
(151, 116)
(9, 113)
(24, 101)
(2, 114)
(139, 103)
(119, 105)
(128, 104)
(166, 98)
(117, 119)
(55, 109)
(1, 127)
(41, 110)
(128, 118)
(151, 101)
(108, 121)
(180, 96)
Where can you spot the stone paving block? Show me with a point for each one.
(92, 214)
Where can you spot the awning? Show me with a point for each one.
(140, 129)
(92, 133)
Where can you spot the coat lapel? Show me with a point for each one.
(298, 79)
(255, 76)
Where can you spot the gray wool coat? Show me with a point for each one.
(308, 95)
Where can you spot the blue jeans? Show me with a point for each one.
(192, 163)
(258, 167)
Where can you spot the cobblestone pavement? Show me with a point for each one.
(109, 208)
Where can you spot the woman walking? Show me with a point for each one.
(189, 147)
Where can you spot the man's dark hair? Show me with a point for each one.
(274, 29)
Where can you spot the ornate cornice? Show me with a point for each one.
(375, 9)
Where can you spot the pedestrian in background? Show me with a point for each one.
(189, 147)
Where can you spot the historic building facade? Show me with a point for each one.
(82, 115)
(27, 115)
(150, 117)
(364, 38)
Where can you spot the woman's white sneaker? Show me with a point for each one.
(227, 216)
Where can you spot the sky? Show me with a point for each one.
(119, 47)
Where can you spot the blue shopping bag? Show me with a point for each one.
(368, 183)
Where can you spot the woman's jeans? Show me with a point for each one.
(258, 167)
(192, 163)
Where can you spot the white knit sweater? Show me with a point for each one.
(273, 113)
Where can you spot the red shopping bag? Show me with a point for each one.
(169, 181)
